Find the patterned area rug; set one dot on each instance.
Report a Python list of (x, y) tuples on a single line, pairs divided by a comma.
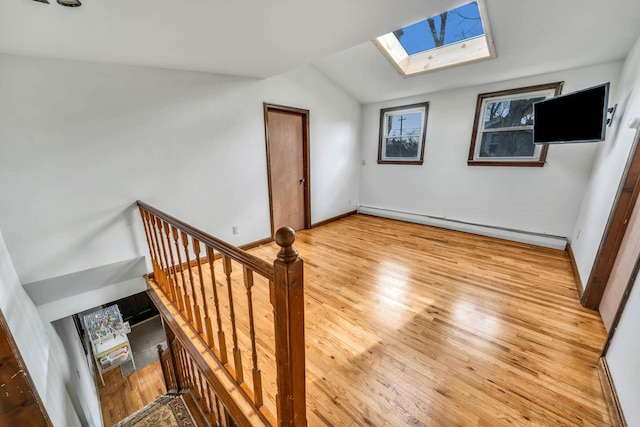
[(165, 411)]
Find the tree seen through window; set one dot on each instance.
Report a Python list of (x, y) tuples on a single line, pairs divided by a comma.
[(503, 127)]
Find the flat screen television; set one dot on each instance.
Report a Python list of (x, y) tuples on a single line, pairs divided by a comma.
[(576, 117)]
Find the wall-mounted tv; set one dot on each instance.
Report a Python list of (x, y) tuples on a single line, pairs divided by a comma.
[(576, 117)]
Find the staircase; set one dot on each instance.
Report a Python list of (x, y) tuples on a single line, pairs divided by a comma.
[(166, 410)]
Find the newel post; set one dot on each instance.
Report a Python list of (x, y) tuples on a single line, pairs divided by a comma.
[(165, 374), (288, 309)]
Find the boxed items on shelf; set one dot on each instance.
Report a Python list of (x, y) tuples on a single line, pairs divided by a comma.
[(102, 324), (109, 342)]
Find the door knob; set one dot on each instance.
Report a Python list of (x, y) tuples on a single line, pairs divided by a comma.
[(302, 180)]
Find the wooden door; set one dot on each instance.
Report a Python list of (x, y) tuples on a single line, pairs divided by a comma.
[(287, 139), (623, 206), (622, 270), (19, 402)]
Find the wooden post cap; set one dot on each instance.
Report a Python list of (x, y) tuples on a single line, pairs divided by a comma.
[(285, 237)]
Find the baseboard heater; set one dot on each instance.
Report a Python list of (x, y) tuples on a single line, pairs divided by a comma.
[(538, 239)]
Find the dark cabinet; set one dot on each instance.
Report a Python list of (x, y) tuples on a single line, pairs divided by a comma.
[(136, 308)]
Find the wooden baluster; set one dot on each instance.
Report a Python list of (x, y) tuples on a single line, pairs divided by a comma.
[(213, 418), (169, 367), (207, 321), (195, 373), (176, 364), (176, 288), (183, 288), (221, 340), (165, 373), (189, 367), (203, 396), (288, 317), (171, 371), (186, 385), (177, 353), (155, 222), (158, 275), (192, 373), (196, 310), (257, 377), (237, 355), (219, 414), (171, 292), (196, 385), (185, 369), (152, 253)]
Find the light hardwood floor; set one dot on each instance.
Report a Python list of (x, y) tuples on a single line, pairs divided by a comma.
[(412, 325), (121, 397), (408, 324)]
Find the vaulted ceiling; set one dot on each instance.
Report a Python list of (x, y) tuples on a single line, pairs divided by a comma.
[(262, 38)]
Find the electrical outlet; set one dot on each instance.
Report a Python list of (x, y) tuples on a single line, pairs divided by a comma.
[(363, 163), (235, 229), (349, 202)]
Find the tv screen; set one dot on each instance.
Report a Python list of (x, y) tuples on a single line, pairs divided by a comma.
[(577, 117)]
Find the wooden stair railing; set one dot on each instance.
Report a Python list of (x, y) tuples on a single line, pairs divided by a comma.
[(194, 300), (184, 371), (169, 371)]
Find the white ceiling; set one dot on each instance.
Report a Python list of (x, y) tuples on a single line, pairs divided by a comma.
[(531, 37), (262, 38)]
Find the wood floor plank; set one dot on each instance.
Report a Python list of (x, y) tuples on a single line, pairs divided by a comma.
[(423, 326), (122, 396), (414, 325)]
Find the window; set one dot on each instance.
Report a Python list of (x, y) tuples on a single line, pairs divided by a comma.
[(503, 127), (451, 38), (402, 134)]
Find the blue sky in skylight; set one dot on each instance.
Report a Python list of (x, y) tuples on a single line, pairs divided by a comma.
[(461, 24)]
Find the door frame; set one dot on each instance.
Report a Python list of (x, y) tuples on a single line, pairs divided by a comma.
[(4, 325), (621, 306), (615, 230), (305, 159)]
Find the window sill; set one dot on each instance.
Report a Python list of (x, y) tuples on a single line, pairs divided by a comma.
[(530, 164), (400, 162)]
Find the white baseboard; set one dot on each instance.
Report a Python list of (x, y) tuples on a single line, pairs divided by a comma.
[(538, 239)]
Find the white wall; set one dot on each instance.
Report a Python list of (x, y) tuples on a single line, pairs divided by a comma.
[(537, 200), (80, 381), (622, 355), (80, 142), (622, 358), (40, 347), (608, 168)]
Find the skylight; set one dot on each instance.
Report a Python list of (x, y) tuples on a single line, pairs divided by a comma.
[(452, 38)]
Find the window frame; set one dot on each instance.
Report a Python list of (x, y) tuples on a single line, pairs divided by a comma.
[(467, 51), (540, 154), (422, 107)]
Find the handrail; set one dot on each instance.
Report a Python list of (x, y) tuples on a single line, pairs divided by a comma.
[(258, 265), (212, 300), (218, 385)]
